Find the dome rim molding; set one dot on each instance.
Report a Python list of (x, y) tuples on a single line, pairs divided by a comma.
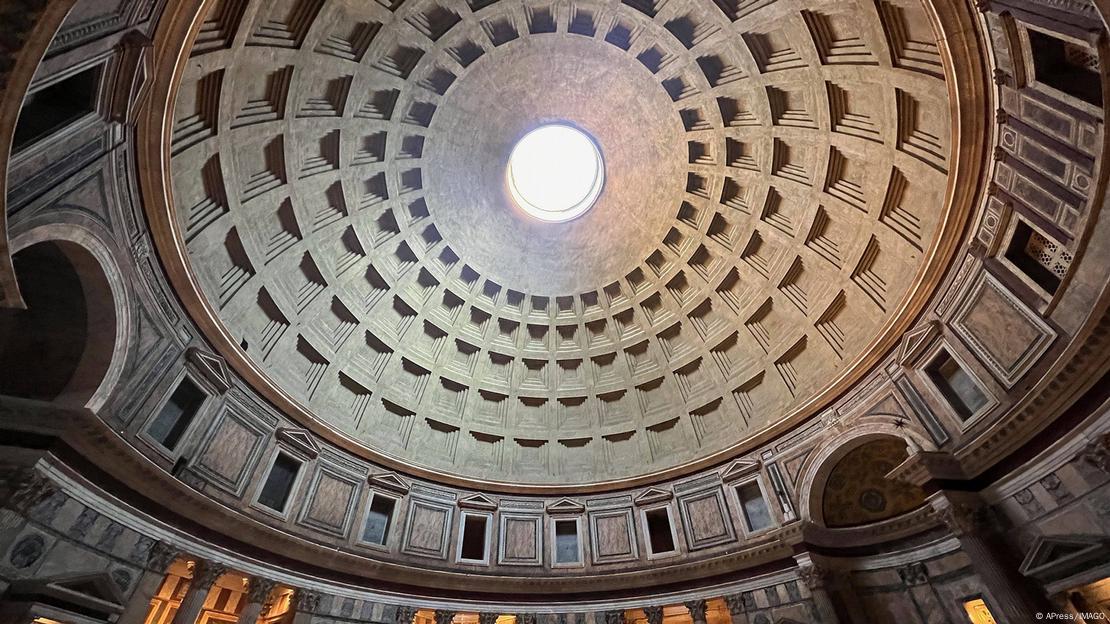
[(962, 47)]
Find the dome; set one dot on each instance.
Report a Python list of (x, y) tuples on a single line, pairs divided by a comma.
[(553, 312), (775, 196)]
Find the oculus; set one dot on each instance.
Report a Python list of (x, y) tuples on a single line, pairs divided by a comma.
[(555, 173)]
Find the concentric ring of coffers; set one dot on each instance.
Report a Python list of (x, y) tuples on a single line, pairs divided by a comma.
[(796, 183)]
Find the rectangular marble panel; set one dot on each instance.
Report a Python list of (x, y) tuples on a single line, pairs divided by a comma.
[(613, 536), (229, 452), (1002, 331), (520, 539), (426, 532), (705, 519), (330, 502)]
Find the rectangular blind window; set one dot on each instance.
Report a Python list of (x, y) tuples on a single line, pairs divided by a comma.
[(474, 538), (52, 108), (275, 492), (659, 531), (378, 519), (176, 415), (756, 513), (566, 541), (958, 388)]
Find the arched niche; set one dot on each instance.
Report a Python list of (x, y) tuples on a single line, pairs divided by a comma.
[(68, 345), (855, 490)]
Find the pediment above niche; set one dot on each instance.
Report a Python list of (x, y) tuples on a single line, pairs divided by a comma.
[(916, 341), (1054, 558), (565, 506), (210, 367), (740, 468), (652, 495), (96, 593), (389, 481), (299, 441), (478, 501)]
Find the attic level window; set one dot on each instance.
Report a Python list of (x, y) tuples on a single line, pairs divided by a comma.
[(555, 173), (378, 519), (566, 541), (52, 108), (754, 507), (1068, 67), (472, 544), (279, 483), (958, 387), (660, 537), (1041, 258), (177, 414)]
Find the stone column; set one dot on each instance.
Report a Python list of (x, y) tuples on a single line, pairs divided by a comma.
[(158, 559), (697, 610), (204, 575), (257, 596), (816, 578), (1011, 597), (654, 615)]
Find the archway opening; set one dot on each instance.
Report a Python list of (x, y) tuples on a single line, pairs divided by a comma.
[(60, 347)]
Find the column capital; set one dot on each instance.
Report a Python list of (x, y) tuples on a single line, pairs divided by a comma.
[(26, 488), (654, 615), (259, 590), (964, 518), (735, 604), (525, 618), (205, 573), (813, 576), (160, 556), (811, 572), (1097, 453), (614, 617), (404, 615), (697, 610), (442, 616), (307, 600), (914, 574), (485, 617)]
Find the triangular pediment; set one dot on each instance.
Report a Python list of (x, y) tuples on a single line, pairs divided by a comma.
[(565, 506), (915, 341), (389, 481), (95, 593), (299, 440), (740, 468), (478, 501), (1056, 557), (211, 367), (653, 495)]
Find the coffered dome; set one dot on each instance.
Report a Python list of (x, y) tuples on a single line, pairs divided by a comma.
[(773, 210)]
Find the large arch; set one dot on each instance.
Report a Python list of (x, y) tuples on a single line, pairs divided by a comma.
[(825, 458), (66, 256)]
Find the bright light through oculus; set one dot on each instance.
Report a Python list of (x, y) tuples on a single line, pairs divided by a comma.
[(555, 173)]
